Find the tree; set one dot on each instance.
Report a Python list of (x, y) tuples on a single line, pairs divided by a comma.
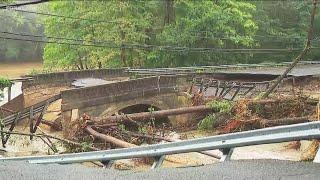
[(205, 24), (184, 23), (19, 24)]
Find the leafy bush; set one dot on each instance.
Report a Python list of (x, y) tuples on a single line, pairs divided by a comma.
[(207, 122), (5, 82), (223, 106)]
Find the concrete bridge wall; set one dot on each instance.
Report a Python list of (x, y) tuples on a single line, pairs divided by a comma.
[(65, 78)]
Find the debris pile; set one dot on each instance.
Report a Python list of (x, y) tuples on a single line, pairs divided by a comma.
[(253, 114)]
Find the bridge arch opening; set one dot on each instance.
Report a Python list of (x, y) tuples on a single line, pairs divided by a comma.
[(158, 122)]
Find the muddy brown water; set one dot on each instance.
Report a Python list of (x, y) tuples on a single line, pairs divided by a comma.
[(17, 69)]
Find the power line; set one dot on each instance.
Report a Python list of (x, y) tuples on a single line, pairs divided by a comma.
[(200, 37), (22, 4), (203, 37), (29, 20), (61, 16), (142, 46), (95, 20)]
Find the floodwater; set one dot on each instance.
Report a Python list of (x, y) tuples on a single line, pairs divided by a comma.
[(17, 69)]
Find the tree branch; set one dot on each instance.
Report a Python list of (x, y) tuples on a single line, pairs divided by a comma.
[(49, 136)]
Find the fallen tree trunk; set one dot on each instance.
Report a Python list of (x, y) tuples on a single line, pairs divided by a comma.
[(270, 101), (285, 121), (155, 114), (123, 143), (109, 139), (56, 126)]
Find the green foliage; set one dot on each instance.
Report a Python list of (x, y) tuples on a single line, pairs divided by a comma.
[(40, 71), (284, 24), (142, 129), (220, 106), (137, 22), (207, 122), (85, 146), (122, 127), (222, 109), (227, 24), (5, 82), (151, 109)]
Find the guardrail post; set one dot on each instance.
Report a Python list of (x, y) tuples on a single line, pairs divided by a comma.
[(226, 154), (38, 121), (235, 93), (13, 124), (9, 93), (158, 161), (31, 116), (107, 164)]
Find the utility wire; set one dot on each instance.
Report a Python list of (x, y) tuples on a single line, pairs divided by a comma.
[(22, 4), (138, 45), (141, 46), (29, 20), (203, 37), (95, 20), (61, 16)]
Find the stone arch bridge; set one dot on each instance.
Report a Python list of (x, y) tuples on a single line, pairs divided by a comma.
[(129, 96)]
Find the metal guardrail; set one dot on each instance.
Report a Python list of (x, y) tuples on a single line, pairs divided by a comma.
[(194, 69), (225, 142), (37, 108)]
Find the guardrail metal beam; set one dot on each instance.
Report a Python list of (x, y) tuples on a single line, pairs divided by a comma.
[(278, 134)]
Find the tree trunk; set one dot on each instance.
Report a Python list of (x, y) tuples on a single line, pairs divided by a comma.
[(285, 121), (169, 12), (54, 125), (143, 116), (109, 139)]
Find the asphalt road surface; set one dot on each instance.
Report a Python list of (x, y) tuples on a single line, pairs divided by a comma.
[(300, 70), (244, 169)]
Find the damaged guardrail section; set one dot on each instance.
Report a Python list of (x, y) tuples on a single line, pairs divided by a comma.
[(278, 134)]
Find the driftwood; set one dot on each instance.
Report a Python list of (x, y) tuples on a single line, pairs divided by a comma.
[(270, 101), (109, 139), (155, 114), (124, 144), (306, 49), (54, 125), (284, 121), (49, 136)]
